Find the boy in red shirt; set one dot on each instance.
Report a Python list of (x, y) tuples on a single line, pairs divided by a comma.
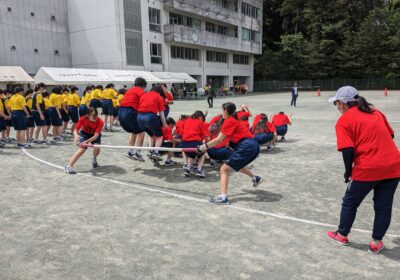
[(168, 140), (169, 99), (281, 122), (372, 162), (87, 131)]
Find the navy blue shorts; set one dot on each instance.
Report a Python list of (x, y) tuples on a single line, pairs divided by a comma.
[(54, 118), (36, 118), (116, 110), (263, 138), (64, 116), (9, 123), (30, 122), (95, 103), (219, 153), (108, 108), (3, 125), (191, 144), (150, 123), (73, 113), (245, 152), (128, 120), (47, 118), (281, 130), (85, 136), (83, 110), (18, 120)]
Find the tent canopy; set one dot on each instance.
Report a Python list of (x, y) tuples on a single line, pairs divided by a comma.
[(169, 77), (81, 76), (14, 74)]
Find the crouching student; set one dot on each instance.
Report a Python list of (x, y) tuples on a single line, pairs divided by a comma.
[(281, 122), (264, 131), (194, 133), (168, 140), (87, 131), (246, 150)]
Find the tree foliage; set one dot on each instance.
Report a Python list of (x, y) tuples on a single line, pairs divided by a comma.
[(310, 39)]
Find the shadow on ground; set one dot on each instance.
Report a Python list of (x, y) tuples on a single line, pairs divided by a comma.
[(256, 196)]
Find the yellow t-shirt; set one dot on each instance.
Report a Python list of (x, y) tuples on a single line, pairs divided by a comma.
[(73, 100), (109, 93), (65, 98), (39, 99), (55, 100), (17, 102), (7, 103), (96, 94), (47, 103), (84, 99), (1, 106), (29, 103)]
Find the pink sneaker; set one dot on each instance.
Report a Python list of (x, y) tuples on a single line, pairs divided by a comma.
[(375, 249), (338, 238)]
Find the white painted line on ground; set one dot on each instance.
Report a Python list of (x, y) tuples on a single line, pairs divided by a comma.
[(189, 198)]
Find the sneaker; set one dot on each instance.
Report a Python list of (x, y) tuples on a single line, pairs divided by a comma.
[(200, 173), (269, 148), (212, 164), (94, 163), (283, 138), (69, 170), (217, 200), (186, 171), (257, 180), (338, 238), (130, 156), (9, 140), (20, 146), (37, 142), (170, 162), (375, 249), (138, 157), (48, 142), (2, 145), (27, 145), (156, 156), (28, 140)]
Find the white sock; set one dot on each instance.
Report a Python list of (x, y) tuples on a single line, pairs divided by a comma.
[(224, 196)]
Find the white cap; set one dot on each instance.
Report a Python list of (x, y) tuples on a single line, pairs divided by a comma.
[(345, 94)]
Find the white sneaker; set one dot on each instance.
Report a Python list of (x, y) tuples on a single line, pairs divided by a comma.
[(69, 170)]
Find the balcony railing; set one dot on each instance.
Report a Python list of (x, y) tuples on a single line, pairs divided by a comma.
[(183, 34), (203, 8)]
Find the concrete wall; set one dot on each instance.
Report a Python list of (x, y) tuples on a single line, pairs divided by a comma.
[(28, 32)]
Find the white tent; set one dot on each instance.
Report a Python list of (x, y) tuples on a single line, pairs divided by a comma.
[(14, 74), (178, 78), (69, 76), (129, 76)]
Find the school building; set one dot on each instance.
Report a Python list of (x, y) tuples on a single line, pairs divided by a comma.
[(211, 40)]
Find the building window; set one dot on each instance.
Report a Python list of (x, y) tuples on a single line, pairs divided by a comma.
[(53, 18), (155, 53), (56, 52), (13, 48), (241, 59), (9, 9), (184, 53), (250, 10), (36, 50), (224, 4), (32, 14), (184, 20), (251, 35), (219, 57), (216, 28), (154, 20)]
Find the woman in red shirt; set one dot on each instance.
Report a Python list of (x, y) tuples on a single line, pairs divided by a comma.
[(169, 100), (264, 131), (151, 104), (372, 162), (87, 131), (195, 131), (281, 122), (245, 146)]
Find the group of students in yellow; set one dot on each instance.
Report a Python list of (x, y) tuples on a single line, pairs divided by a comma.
[(37, 112)]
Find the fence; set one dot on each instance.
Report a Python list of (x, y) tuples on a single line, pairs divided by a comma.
[(330, 85)]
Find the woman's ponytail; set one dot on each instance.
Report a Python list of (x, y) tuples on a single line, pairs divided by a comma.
[(363, 105)]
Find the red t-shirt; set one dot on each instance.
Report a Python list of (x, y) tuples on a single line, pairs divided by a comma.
[(85, 125), (167, 133), (215, 119), (271, 127), (179, 127), (235, 130), (255, 122), (280, 120), (376, 155), (194, 130), (151, 102), (132, 98), (241, 114), (168, 98)]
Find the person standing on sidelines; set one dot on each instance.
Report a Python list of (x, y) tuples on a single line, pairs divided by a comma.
[(372, 163), (127, 115), (19, 113), (295, 94), (246, 150)]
